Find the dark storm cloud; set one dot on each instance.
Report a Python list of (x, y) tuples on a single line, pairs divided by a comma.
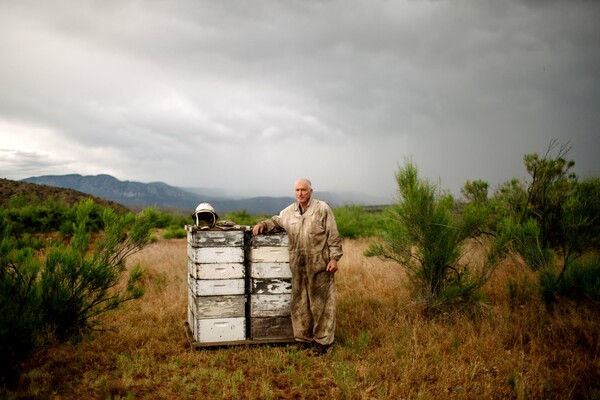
[(339, 91)]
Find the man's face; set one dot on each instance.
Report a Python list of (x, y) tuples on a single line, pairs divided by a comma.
[(303, 192)]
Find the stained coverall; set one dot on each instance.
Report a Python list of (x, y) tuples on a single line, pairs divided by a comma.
[(313, 241)]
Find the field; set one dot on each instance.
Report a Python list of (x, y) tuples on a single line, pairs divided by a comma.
[(384, 349)]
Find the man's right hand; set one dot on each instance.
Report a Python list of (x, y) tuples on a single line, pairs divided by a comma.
[(258, 228)]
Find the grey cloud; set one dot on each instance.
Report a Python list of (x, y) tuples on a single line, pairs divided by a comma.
[(16, 164), (465, 87)]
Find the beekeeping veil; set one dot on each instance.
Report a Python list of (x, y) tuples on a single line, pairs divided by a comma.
[(205, 216)]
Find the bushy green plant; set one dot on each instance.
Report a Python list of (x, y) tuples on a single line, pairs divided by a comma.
[(551, 183), (476, 191), (510, 200), (355, 222), (20, 317), (63, 290), (425, 236), (525, 240), (579, 231), (78, 281), (579, 223), (582, 280), (165, 219), (242, 217), (175, 232), (559, 221), (30, 215)]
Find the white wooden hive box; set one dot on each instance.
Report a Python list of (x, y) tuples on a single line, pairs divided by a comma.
[(217, 287), (270, 305), (220, 329), (217, 306)]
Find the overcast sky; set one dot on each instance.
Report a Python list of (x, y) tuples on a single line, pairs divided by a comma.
[(250, 95)]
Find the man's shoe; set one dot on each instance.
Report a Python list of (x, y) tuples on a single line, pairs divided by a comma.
[(319, 349), (300, 346)]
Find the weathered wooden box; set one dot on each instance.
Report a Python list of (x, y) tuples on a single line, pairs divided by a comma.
[(265, 328), (218, 330), (217, 306), (259, 270), (270, 305), (217, 286), (216, 271), (216, 255), (239, 287), (214, 238), (270, 287)]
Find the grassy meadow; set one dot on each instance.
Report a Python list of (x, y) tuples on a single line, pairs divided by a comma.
[(384, 349)]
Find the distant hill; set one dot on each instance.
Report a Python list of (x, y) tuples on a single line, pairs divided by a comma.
[(128, 193), (161, 195), (10, 189), (157, 194)]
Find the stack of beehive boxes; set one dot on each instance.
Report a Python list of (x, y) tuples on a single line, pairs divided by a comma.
[(270, 287), (216, 274), (239, 287)]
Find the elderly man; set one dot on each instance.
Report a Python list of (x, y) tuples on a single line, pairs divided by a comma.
[(315, 248)]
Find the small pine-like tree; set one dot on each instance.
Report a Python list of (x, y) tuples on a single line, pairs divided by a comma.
[(79, 280), (476, 191), (20, 318), (551, 184), (559, 220), (426, 236), (70, 285)]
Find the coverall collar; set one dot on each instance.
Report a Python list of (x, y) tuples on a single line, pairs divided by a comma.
[(301, 210)]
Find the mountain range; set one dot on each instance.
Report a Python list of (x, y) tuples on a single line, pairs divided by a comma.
[(162, 195)]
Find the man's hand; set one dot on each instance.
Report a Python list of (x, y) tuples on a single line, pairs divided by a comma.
[(258, 228), (332, 266)]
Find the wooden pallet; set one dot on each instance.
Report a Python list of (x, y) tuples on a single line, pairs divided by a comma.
[(195, 345)]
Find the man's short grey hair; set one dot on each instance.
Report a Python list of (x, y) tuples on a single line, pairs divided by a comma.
[(306, 180)]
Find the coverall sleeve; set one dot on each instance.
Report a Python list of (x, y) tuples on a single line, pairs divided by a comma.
[(334, 242), (271, 224)]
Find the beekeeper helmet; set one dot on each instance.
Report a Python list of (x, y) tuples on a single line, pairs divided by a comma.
[(205, 216)]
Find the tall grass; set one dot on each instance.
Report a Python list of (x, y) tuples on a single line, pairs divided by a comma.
[(384, 349)]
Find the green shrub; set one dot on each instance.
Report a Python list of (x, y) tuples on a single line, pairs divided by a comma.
[(425, 236), (355, 222), (476, 192), (551, 183), (525, 241), (66, 288), (242, 217), (20, 317), (29, 215), (559, 221), (175, 232), (78, 282), (580, 281), (583, 279), (509, 200)]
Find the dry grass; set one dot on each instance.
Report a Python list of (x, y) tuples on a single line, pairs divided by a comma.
[(384, 350)]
